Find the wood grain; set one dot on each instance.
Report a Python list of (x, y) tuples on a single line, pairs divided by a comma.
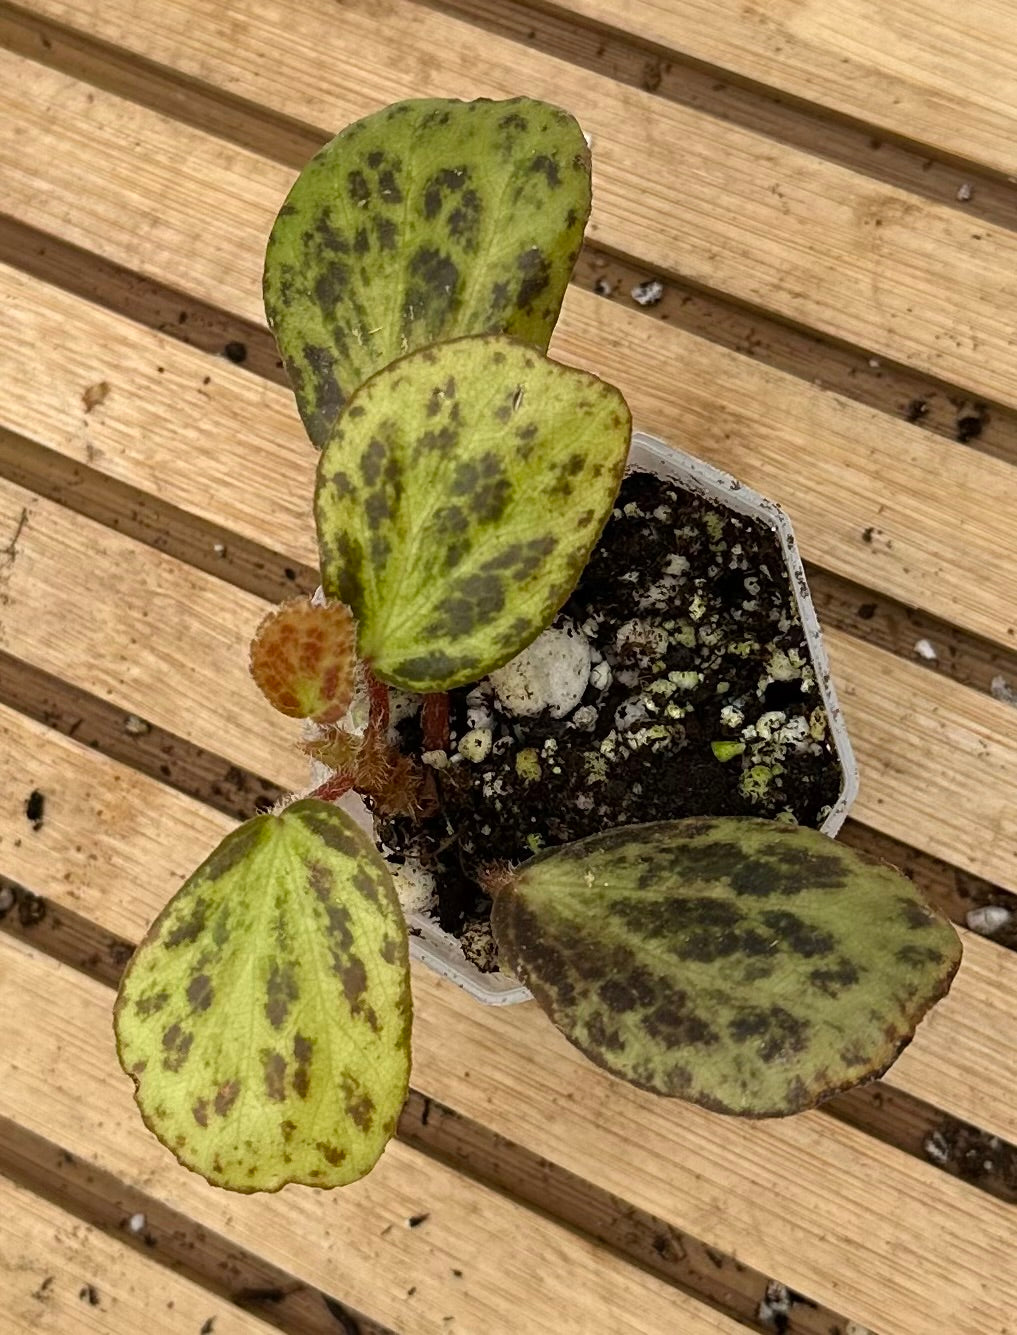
[(60, 1274), (169, 642), (124, 622), (116, 845), (880, 1236), (476, 1257), (925, 70), (211, 1260), (765, 223), (849, 1221), (751, 1189)]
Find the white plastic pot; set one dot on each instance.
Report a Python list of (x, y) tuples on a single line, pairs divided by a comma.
[(440, 950)]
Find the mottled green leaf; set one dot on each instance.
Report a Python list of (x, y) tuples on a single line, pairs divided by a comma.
[(426, 221), (265, 1018), (458, 499), (748, 966)]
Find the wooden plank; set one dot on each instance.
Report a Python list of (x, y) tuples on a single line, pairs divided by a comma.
[(960, 1048), (924, 70), (766, 223), (872, 498), (170, 643), (840, 468), (880, 1236), (194, 430), (167, 641), (937, 758), (809, 1199), (477, 1261), (116, 845), (59, 1274)]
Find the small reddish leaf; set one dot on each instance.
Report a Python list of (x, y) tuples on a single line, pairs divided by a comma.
[(303, 657)]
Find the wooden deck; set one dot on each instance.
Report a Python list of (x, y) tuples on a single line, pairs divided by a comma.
[(828, 191)]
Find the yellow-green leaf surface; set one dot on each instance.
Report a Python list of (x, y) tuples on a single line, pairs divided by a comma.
[(265, 1018), (747, 966), (458, 499), (426, 221)]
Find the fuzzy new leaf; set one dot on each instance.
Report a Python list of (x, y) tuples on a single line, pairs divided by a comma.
[(265, 1018), (303, 658), (458, 500), (747, 966), (423, 222)]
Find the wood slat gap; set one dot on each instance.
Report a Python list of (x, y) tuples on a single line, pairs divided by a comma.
[(153, 521), (169, 1239), (912, 633), (145, 747), (168, 310), (133, 76), (713, 1277), (556, 30), (841, 366), (920, 1129)]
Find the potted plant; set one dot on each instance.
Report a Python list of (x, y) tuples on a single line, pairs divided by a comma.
[(471, 504)]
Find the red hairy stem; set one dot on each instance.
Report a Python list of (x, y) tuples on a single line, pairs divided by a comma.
[(338, 785), (378, 692), (434, 721)]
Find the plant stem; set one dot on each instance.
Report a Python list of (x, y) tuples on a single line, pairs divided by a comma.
[(378, 692), (338, 785), (434, 721)]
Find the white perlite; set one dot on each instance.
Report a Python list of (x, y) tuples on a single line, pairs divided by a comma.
[(475, 745), (1001, 690), (776, 1303), (987, 919), (551, 674), (479, 713), (648, 293), (600, 676), (413, 885)]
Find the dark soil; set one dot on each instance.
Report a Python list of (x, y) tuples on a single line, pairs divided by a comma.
[(691, 609)]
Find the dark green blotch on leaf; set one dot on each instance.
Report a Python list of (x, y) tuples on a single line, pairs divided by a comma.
[(237, 1040), (424, 222), (453, 547), (745, 966)]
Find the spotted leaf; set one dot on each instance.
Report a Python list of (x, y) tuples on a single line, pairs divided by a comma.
[(458, 499), (426, 221), (265, 1018), (747, 966), (303, 657)]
